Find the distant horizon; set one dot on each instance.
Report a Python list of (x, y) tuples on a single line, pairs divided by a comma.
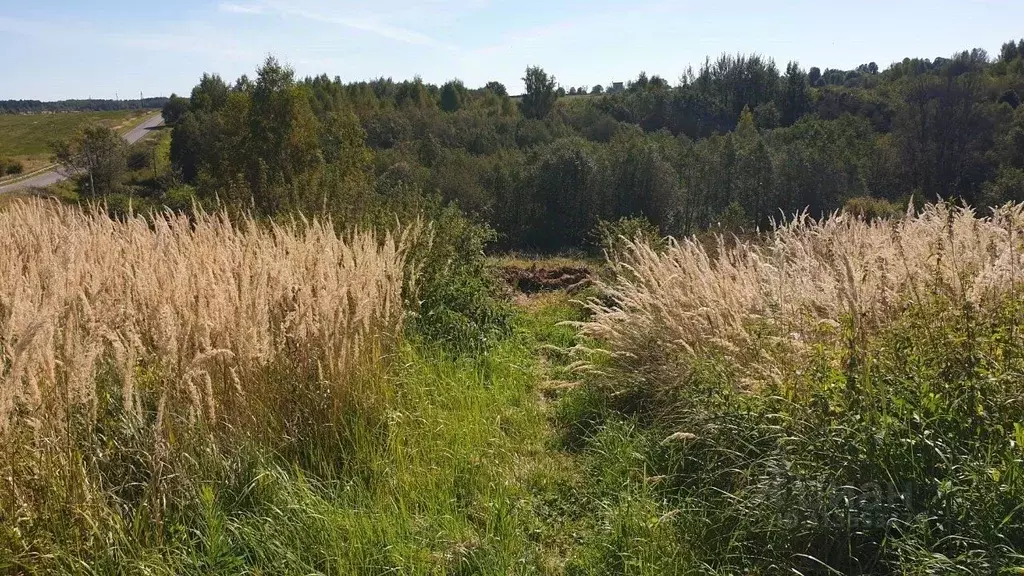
[(61, 50)]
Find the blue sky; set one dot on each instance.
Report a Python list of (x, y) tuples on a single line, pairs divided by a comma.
[(54, 49)]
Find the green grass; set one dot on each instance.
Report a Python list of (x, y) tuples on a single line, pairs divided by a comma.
[(26, 137), (568, 260)]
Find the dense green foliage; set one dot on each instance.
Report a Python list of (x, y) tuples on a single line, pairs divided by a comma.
[(737, 142), (174, 109), (456, 305)]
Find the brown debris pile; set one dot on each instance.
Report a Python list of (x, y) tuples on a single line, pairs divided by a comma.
[(541, 279)]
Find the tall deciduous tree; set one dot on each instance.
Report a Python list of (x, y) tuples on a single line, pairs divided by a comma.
[(540, 93), (283, 140), (565, 188)]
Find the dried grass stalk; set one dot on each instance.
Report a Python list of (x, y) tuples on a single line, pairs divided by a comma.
[(756, 304), (189, 310)]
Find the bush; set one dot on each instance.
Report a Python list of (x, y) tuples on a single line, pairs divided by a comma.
[(456, 300), (139, 159), (180, 198), (10, 167), (613, 237), (531, 133), (904, 463), (870, 208), (1007, 187)]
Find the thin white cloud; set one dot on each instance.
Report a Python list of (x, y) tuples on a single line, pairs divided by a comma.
[(369, 24), (233, 8), (586, 24), (189, 42)]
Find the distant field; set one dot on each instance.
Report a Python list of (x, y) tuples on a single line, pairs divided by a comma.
[(25, 137)]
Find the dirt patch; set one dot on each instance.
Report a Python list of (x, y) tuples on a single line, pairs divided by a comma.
[(541, 279)]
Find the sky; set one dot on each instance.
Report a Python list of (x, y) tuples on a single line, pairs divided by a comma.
[(57, 49)]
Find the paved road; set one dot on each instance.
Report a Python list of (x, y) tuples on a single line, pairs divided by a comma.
[(52, 177)]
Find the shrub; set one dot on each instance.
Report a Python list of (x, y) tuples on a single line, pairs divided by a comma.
[(139, 159), (457, 304), (10, 167), (180, 198), (870, 208), (906, 463), (613, 237)]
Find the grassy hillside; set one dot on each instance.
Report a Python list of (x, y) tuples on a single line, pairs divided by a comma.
[(25, 137)]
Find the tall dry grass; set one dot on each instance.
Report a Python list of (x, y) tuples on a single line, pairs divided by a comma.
[(199, 321), (759, 305)]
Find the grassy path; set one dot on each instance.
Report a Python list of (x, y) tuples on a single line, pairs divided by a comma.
[(592, 488), (475, 470)]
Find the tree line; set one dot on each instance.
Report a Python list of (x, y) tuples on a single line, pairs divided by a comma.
[(87, 105), (733, 144)]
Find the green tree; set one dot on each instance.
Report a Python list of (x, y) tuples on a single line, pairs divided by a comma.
[(597, 89), (636, 179), (1007, 187), (209, 95), (814, 76), (282, 142), (453, 96), (174, 109), (766, 116), (1009, 52), (565, 188), (753, 178), (413, 93), (97, 155), (795, 102), (540, 93), (497, 88), (187, 141)]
